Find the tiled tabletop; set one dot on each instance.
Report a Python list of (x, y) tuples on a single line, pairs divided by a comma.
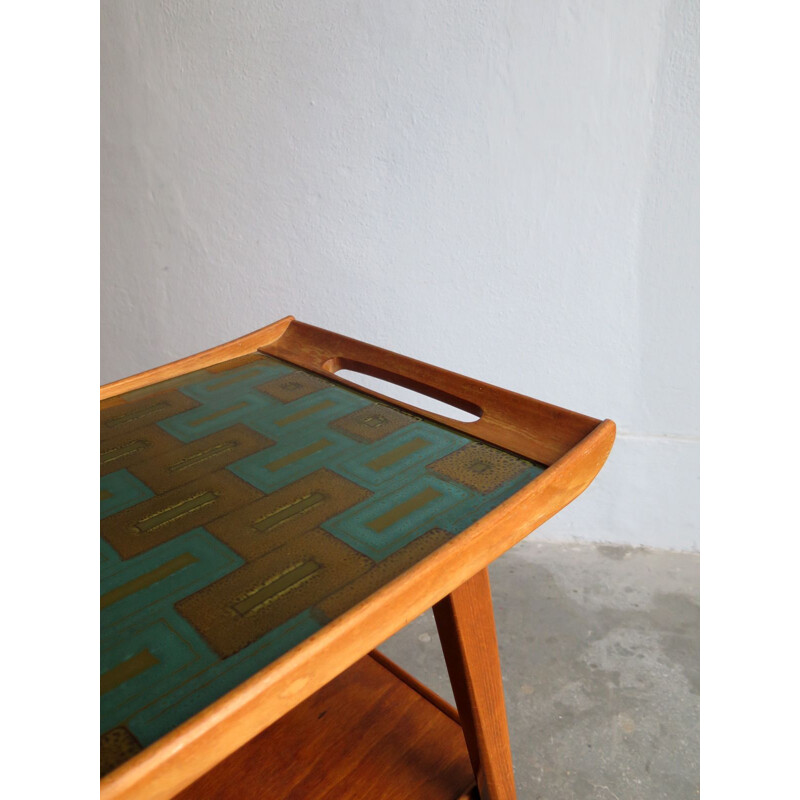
[(245, 506)]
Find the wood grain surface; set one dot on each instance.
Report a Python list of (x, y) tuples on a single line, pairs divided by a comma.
[(367, 735), (465, 621)]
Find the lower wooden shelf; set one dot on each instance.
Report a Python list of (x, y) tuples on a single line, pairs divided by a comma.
[(373, 733)]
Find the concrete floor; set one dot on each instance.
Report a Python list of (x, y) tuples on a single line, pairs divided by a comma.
[(600, 653)]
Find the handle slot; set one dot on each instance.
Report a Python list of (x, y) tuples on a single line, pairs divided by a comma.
[(404, 390)]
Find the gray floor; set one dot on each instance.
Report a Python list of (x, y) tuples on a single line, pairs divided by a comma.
[(600, 654)]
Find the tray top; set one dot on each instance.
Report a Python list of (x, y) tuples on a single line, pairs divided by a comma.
[(245, 506)]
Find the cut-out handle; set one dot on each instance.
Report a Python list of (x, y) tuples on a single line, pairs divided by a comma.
[(406, 391)]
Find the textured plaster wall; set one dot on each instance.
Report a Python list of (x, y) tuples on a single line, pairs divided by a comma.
[(508, 189)]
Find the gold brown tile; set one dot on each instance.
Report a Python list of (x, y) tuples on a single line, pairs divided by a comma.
[(380, 574), (121, 419), (479, 467), (292, 387), (264, 593), (165, 516), (287, 513), (116, 747), (187, 462), (371, 423), (121, 451)]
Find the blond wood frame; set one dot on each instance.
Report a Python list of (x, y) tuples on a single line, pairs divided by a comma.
[(574, 447), (465, 621)]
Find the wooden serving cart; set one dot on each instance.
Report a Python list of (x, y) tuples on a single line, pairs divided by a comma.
[(266, 524)]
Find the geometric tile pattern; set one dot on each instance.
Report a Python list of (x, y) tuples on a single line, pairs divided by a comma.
[(288, 388), (372, 423), (245, 506), (478, 466), (270, 590)]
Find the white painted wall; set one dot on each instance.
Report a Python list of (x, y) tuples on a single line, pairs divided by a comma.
[(506, 189)]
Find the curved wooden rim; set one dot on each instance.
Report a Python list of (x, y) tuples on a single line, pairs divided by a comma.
[(249, 343)]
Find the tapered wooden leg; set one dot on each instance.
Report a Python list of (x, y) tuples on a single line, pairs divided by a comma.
[(465, 620)]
